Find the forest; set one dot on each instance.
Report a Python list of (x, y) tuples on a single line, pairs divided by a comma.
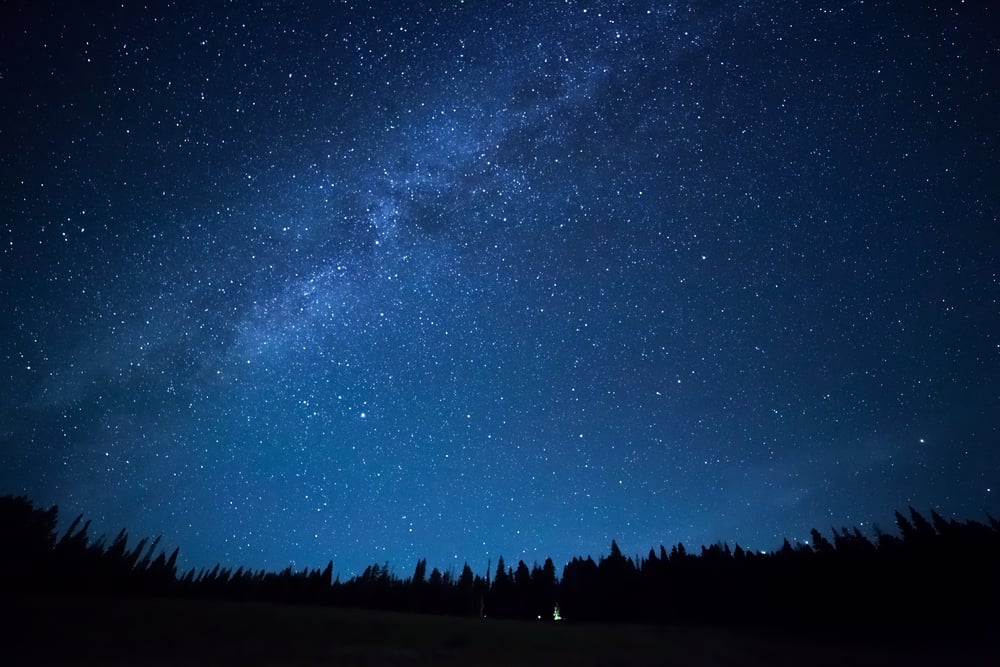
[(936, 575)]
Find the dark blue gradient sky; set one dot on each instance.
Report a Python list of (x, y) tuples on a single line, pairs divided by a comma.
[(302, 281)]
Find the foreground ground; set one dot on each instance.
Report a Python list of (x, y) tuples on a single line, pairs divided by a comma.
[(87, 631)]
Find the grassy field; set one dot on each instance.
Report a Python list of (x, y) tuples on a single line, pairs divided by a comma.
[(86, 631)]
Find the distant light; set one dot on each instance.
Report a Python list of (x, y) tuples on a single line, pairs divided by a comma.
[(364, 415)]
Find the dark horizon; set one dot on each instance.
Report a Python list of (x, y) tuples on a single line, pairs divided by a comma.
[(892, 528), (933, 583)]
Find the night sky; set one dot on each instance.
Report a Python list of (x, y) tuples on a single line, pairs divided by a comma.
[(289, 282)]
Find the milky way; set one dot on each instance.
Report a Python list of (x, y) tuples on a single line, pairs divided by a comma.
[(311, 281)]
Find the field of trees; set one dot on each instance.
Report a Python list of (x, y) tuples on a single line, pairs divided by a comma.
[(928, 595)]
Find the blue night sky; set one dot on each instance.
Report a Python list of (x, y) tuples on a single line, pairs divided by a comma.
[(297, 281)]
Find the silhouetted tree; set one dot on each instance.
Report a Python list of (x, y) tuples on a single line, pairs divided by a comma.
[(419, 572), (906, 528), (501, 596), (544, 589), (522, 606), (577, 599), (924, 531), (466, 603), (820, 544)]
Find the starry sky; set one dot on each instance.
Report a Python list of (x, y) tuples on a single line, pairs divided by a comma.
[(288, 282)]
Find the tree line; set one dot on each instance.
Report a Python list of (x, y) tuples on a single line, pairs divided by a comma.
[(935, 574)]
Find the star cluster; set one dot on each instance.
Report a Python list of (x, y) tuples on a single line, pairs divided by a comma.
[(298, 281)]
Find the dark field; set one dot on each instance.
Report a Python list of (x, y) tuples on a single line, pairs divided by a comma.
[(86, 631)]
